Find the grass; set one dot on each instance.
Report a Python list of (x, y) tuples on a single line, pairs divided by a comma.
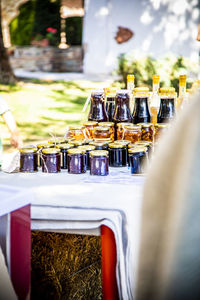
[(42, 108)]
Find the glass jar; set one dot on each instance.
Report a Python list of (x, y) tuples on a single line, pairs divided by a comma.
[(87, 149), (99, 163), (132, 133), (90, 125), (77, 143), (40, 147), (28, 160), (117, 155), (112, 128), (137, 159), (167, 109), (101, 132), (110, 103), (141, 112), (147, 132), (159, 129), (51, 160), (126, 143), (97, 107), (76, 161), (120, 130), (63, 149), (122, 111), (76, 132)]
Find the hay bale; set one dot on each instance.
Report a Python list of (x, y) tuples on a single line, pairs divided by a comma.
[(65, 266)]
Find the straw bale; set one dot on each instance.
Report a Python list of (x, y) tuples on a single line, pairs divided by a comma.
[(65, 266)]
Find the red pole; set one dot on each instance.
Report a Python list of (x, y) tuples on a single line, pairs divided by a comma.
[(109, 258)]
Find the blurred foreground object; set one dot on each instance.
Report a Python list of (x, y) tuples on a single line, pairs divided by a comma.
[(169, 263)]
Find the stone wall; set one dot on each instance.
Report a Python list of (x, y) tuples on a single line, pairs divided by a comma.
[(47, 59)]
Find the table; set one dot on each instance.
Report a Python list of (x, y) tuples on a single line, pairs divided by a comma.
[(112, 203), (15, 236)]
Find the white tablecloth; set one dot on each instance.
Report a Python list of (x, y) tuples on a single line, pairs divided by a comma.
[(83, 202)]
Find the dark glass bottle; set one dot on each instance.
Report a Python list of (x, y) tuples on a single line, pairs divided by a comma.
[(51, 160), (28, 160), (141, 112), (97, 107), (122, 111), (167, 109), (117, 155), (110, 103), (137, 158), (76, 161), (99, 163)]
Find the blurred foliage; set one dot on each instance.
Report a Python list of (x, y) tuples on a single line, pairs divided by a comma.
[(74, 27), (21, 28), (169, 68)]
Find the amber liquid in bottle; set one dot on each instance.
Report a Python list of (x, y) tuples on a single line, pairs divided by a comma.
[(141, 111), (167, 110), (97, 109)]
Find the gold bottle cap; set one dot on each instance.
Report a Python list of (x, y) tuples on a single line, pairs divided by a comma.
[(50, 151), (126, 142), (64, 146), (156, 79), (106, 124), (137, 150), (43, 145), (76, 127), (133, 127), (124, 124), (75, 151), (87, 147), (90, 123), (145, 124), (57, 141), (99, 153), (130, 78), (28, 150), (117, 145), (101, 128), (77, 142)]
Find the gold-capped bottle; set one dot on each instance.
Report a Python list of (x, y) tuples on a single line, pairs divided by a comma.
[(182, 97), (130, 83), (155, 99)]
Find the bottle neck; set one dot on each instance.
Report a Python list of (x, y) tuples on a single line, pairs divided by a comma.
[(155, 88), (182, 90), (130, 85)]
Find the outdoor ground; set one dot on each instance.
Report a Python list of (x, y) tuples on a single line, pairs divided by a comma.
[(43, 108)]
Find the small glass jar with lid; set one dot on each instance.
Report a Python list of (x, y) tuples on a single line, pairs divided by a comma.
[(76, 161), (167, 109), (76, 132), (120, 130), (97, 107), (147, 131), (117, 155), (110, 102), (159, 129), (40, 147), (141, 112), (132, 133), (63, 149), (137, 159), (28, 159), (89, 127), (77, 143), (51, 160), (87, 149), (112, 128), (99, 162), (101, 132), (124, 142)]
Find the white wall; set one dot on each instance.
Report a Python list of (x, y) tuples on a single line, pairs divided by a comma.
[(159, 26)]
